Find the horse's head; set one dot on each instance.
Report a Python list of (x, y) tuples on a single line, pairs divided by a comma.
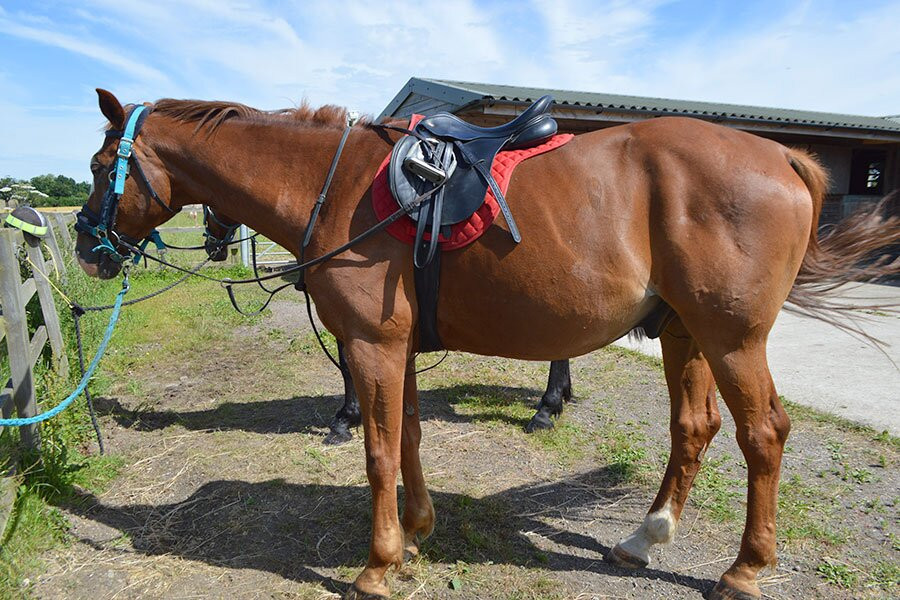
[(131, 195), (220, 230)]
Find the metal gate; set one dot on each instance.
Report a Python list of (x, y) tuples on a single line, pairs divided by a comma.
[(269, 255)]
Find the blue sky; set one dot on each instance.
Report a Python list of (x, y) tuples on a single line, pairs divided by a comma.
[(818, 55)]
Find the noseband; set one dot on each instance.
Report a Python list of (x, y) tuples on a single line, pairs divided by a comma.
[(102, 226), (214, 242)]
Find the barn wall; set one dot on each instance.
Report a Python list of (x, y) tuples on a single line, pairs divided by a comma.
[(837, 160), (892, 171)]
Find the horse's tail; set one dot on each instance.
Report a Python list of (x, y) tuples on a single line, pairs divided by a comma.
[(855, 250)]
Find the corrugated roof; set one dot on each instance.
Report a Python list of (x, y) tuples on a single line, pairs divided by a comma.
[(666, 105)]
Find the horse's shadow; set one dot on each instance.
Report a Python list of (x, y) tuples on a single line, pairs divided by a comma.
[(296, 530), (310, 414)]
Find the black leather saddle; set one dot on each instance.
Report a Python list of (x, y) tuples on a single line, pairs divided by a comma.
[(448, 153)]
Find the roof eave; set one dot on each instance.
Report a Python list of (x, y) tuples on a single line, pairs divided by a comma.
[(618, 113)]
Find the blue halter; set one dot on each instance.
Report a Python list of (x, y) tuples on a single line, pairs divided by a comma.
[(101, 226)]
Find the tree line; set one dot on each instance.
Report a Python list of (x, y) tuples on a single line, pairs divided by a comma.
[(52, 190)]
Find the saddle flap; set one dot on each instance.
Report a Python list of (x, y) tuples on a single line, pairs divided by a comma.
[(405, 184)]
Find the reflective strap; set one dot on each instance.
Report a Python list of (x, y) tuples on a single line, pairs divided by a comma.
[(125, 149), (38, 230), (154, 237)]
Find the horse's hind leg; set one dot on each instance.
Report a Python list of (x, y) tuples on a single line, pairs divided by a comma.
[(694, 421), (348, 415), (418, 512), (559, 389), (762, 426)]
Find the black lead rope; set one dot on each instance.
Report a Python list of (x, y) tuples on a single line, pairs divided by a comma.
[(315, 329), (79, 311), (228, 283), (76, 317), (203, 247), (271, 293)]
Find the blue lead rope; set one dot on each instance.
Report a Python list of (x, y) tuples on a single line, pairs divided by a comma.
[(113, 318)]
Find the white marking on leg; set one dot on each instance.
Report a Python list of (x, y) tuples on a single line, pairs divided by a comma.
[(658, 528)]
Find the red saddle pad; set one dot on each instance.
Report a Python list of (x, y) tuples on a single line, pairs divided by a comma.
[(465, 232)]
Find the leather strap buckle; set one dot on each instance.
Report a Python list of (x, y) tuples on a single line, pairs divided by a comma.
[(125, 148)]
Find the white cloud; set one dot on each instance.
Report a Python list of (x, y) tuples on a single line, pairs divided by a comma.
[(94, 50), (355, 54), (807, 59)]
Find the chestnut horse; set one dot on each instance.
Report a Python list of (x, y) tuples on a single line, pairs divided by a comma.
[(718, 223)]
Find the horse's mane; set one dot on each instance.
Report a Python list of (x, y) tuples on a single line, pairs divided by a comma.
[(211, 114)]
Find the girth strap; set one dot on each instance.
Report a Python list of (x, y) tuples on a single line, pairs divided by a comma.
[(427, 280)]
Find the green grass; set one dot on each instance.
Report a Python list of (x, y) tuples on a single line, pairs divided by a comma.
[(183, 320), (715, 491), (34, 527), (885, 575), (803, 413), (809, 513), (837, 574), (491, 406), (566, 442), (500, 407)]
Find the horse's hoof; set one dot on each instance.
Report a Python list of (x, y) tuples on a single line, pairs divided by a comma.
[(411, 545), (539, 421), (354, 593), (625, 560), (338, 436), (723, 591)]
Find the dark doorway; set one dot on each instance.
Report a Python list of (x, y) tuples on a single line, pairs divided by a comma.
[(867, 172)]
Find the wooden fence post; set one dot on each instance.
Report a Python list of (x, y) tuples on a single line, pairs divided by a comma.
[(62, 230), (48, 307), (55, 253), (17, 339)]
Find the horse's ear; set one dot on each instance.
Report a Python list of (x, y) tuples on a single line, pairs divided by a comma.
[(111, 108)]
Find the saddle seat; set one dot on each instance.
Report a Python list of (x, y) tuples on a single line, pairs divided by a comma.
[(447, 152), (531, 128)]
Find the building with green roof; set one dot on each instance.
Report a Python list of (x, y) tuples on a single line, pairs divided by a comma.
[(861, 153)]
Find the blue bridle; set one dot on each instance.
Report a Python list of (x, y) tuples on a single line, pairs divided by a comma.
[(102, 225)]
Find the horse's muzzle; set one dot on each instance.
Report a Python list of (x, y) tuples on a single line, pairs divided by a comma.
[(217, 252), (95, 264)]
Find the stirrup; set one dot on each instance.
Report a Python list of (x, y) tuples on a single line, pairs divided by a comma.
[(426, 171)]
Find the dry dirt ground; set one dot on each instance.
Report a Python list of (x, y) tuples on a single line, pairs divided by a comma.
[(226, 490)]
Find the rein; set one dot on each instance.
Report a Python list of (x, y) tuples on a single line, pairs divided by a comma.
[(215, 242)]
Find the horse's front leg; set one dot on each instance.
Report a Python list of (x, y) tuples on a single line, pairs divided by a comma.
[(418, 511), (378, 371), (347, 415), (559, 390)]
